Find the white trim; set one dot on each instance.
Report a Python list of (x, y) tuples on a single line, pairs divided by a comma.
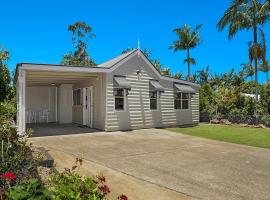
[(125, 100), (189, 102), (106, 96), (158, 97), (42, 67), (84, 102), (90, 106), (81, 96), (21, 110), (56, 68), (56, 103)]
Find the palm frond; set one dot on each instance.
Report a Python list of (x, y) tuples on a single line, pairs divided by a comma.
[(190, 60)]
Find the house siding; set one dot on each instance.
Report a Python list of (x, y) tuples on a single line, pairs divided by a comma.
[(137, 113), (99, 94)]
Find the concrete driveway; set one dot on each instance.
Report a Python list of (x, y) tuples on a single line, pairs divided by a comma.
[(197, 167)]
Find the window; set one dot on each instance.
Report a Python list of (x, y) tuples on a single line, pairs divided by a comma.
[(177, 100), (185, 98), (77, 97), (153, 100), (181, 100), (119, 99)]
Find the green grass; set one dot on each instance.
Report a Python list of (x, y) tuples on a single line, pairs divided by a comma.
[(256, 137)]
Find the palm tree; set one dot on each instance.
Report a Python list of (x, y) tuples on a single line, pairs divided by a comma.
[(245, 15), (265, 67), (178, 75), (204, 74), (157, 65), (166, 71), (187, 39)]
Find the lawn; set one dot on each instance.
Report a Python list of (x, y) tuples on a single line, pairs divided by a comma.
[(256, 137)]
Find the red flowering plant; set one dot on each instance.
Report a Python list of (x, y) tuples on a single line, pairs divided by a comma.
[(6, 180), (15, 155), (9, 176)]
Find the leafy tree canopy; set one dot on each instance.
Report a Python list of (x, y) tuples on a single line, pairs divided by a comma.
[(81, 33), (6, 89)]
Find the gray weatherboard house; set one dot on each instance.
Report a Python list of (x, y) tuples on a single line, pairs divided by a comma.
[(126, 92)]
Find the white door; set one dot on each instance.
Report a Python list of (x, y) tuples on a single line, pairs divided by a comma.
[(87, 106)]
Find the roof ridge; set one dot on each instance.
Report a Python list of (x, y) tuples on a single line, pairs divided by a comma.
[(111, 62)]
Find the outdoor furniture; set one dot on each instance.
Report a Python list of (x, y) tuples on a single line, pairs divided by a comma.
[(31, 116), (44, 116)]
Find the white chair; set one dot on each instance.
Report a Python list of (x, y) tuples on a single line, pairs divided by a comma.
[(33, 117), (44, 116), (28, 116)]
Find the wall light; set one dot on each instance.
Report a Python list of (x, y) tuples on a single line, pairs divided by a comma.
[(139, 73)]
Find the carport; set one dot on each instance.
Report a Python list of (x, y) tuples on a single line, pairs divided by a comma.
[(54, 129), (45, 96)]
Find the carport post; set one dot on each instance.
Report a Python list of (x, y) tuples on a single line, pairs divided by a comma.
[(21, 89)]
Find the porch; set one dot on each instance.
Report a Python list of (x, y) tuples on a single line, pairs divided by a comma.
[(53, 99), (53, 129)]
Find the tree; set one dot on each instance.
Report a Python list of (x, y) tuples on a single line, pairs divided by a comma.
[(187, 40), (5, 78), (81, 33), (245, 15), (265, 67), (178, 75), (146, 52), (157, 65), (128, 50), (204, 75), (248, 70), (166, 71)]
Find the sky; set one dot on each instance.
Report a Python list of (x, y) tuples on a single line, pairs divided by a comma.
[(36, 31)]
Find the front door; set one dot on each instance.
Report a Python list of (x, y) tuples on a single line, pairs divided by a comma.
[(87, 106)]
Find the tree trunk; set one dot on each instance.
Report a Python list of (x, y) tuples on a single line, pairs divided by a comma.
[(256, 61), (188, 61), (267, 77)]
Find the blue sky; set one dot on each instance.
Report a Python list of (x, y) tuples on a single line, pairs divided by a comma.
[(36, 31)]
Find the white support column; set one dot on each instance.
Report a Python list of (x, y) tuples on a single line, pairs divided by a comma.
[(56, 104), (23, 101), (18, 104), (22, 92)]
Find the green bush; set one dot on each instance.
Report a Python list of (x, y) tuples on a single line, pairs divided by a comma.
[(266, 120), (32, 189), (15, 155), (70, 185), (8, 109)]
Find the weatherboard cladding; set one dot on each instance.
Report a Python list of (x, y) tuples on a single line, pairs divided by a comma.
[(137, 113)]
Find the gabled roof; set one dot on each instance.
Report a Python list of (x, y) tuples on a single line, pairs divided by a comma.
[(115, 60), (105, 67)]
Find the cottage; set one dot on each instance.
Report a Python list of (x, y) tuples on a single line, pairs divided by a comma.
[(126, 92)]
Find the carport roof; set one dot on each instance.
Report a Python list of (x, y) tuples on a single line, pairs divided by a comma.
[(105, 67)]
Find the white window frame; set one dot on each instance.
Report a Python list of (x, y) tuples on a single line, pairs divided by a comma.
[(80, 105), (181, 100), (157, 101), (124, 97)]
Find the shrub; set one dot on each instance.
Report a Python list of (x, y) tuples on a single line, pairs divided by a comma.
[(15, 154), (32, 189), (70, 185), (8, 109), (266, 120)]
